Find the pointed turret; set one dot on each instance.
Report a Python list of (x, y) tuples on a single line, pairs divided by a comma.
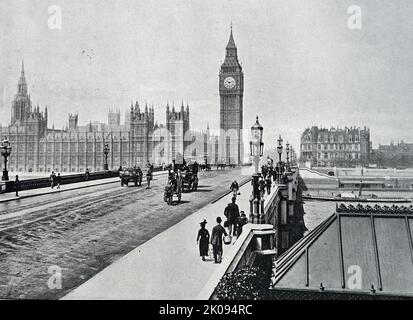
[(231, 42), (22, 70), (22, 85)]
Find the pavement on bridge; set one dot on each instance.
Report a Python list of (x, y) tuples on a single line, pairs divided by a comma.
[(166, 267), (10, 196)]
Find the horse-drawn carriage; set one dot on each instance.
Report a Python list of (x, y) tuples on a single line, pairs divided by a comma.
[(131, 175), (205, 167), (173, 188), (190, 176)]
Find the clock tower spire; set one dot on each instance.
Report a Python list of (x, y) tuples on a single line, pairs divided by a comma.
[(231, 91)]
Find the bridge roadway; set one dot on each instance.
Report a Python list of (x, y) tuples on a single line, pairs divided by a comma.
[(82, 231), (167, 267)]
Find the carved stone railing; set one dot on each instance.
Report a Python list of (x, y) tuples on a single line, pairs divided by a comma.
[(255, 241)]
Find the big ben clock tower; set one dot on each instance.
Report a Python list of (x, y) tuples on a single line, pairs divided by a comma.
[(231, 91)]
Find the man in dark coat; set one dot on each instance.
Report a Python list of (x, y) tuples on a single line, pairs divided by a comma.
[(58, 180), (218, 232), (17, 185), (232, 213), (52, 179), (268, 183)]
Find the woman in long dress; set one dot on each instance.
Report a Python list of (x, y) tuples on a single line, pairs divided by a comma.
[(203, 240)]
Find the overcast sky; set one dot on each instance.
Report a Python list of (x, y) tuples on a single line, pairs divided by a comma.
[(303, 66)]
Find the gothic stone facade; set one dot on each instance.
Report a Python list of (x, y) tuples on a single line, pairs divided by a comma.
[(346, 147), (231, 91), (37, 148)]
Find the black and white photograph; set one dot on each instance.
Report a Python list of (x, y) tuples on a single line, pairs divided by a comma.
[(213, 151)]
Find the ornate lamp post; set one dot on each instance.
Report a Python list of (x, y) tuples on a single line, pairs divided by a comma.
[(287, 150), (106, 152), (256, 152), (279, 151), (5, 149)]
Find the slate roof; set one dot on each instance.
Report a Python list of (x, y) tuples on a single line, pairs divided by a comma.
[(374, 241)]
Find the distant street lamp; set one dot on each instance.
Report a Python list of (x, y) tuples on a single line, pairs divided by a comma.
[(106, 152), (287, 150), (256, 152), (279, 151), (5, 149), (293, 156)]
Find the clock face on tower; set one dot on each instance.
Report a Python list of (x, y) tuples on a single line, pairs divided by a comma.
[(229, 82)]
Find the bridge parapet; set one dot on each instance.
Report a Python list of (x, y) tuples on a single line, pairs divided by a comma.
[(261, 244), (29, 184)]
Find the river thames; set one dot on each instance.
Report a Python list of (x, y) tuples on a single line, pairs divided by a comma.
[(318, 211)]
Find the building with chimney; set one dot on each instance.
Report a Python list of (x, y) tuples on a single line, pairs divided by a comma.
[(348, 147)]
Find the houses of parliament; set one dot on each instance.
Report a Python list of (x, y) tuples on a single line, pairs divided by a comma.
[(38, 148)]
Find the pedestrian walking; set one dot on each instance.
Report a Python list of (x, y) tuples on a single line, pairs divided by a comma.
[(241, 221), (232, 213), (234, 188), (87, 174), (218, 232), (268, 183), (203, 240), (58, 180), (52, 179), (261, 185), (17, 185), (148, 178)]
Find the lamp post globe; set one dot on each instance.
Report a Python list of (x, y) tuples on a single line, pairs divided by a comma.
[(256, 152), (280, 149), (106, 150), (287, 150), (5, 150), (256, 144)]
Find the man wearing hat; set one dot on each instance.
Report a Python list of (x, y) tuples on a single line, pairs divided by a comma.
[(218, 233)]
